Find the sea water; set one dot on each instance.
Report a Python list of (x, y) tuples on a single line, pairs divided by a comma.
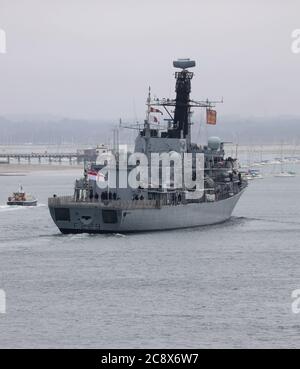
[(227, 285)]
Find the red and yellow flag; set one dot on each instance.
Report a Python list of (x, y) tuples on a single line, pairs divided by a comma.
[(211, 116)]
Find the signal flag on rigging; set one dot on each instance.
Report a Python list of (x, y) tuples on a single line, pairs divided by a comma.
[(154, 110), (211, 116)]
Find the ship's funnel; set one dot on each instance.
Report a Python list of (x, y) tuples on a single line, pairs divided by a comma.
[(184, 63)]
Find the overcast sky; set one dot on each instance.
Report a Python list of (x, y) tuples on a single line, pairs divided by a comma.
[(95, 59)]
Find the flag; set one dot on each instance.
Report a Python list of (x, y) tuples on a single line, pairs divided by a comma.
[(211, 116), (100, 177), (153, 110), (93, 175), (154, 119)]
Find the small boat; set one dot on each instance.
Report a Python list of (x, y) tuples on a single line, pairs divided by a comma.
[(284, 173), (20, 198), (253, 174)]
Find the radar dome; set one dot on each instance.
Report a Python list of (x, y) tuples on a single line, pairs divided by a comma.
[(214, 143), (184, 63)]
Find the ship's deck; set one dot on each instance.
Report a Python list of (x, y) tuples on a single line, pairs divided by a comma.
[(111, 204)]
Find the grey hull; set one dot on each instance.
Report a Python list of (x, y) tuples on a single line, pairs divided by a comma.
[(90, 219)]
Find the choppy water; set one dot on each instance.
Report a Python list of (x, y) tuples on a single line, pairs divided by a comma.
[(227, 285)]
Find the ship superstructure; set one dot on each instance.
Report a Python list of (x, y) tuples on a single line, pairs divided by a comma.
[(101, 205)]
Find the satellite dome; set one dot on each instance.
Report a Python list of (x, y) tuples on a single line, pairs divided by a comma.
[(214, 143)]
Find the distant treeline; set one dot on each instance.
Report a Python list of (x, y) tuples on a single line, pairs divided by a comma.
[(275, 130), (54, 131), (59, 131)]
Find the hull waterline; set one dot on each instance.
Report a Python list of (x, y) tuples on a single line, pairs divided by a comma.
[(90, 219), (22, 203)]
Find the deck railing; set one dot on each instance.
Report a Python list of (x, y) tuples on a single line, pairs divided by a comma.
[(115, 204)]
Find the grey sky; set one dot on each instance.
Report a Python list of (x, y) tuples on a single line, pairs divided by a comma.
[(95, 59)]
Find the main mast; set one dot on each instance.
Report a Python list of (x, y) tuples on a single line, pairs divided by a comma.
[(181, 127)]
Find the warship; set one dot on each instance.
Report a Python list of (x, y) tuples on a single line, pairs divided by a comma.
[(102, 206)]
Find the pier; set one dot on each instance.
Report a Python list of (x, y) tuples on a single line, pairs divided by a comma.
[(78, 157)]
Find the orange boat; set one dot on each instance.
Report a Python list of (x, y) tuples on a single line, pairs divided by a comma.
[(20, 198)]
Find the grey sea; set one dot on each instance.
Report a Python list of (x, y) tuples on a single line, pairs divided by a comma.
[(227, 285)]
